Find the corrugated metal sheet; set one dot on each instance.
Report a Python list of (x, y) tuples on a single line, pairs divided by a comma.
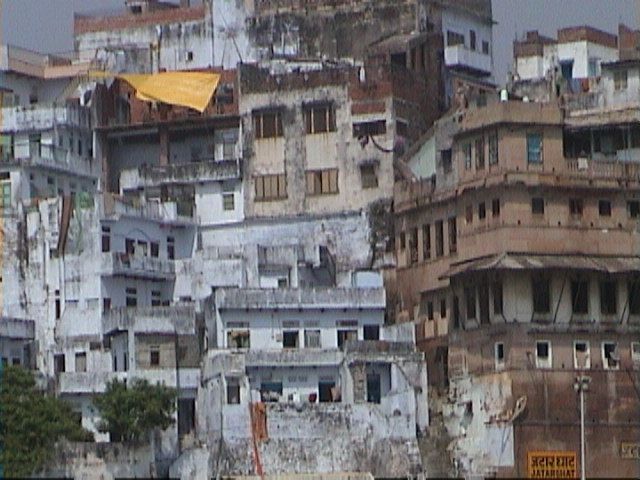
[(522, 261)]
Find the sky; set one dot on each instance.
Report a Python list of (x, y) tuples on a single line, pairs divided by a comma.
[(47, 25)]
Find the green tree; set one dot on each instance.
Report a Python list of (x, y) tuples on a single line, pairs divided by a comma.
[(31, 422), (130, 412)]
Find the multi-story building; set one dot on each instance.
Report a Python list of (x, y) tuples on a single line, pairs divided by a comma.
[(577, 53), (517, 264), (45, 129)]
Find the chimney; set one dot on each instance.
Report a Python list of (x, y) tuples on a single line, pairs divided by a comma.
[(185, 3)]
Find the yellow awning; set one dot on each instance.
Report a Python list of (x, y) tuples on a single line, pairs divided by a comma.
[(187, 89)]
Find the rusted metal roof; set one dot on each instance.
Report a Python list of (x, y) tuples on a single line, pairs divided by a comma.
[(523, 261)]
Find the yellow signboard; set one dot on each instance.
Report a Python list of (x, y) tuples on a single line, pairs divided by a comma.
[(629, 450), (552, 464)]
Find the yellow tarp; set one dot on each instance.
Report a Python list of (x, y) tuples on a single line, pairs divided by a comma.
[(187, 89)]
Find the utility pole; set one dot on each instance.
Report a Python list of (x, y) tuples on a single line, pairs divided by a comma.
[(581, 385)]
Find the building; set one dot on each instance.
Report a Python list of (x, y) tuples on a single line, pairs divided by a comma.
[(517, 268), (577, 53)]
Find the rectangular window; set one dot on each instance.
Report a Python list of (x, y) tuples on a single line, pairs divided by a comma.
[(485, 47), (346, 336), (312, 339), (131, 297), (534, 148), (365, 129), (466, 149), (322, 182), (453, 235), (327, 392), (413, 245), (495, 207), (81, 362), (576, 206), (470, 302), (479, 153), (472, 39), (543, 354), (58, 363), (368, 176), (493, 148), (468, 214), (238, 339), (633, 290), (270, 391), (610, 356), (155, 249), (270, 187), (290, 339), (426, 242), (154, 355), (541, 297), (233, 391), (620, 80), (497, 297), (498, 352), (430, 310), (608, 297), (228, 202), (106, 305), (156, 298), (267, 124), (319, 118), (371, 332), (580, 297), (443, 308), (171, 248), (439, 238), (633, 208), (537, 206), (129, 246), (374, 391), (445, 157), (581, 355), (454, 38), (604, 208), (482, 211), (106, 239)]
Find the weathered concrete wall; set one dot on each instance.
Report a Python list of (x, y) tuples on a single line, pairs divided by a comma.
[(100, 460)]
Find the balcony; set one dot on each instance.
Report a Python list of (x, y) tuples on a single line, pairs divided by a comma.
[(137, 266), (605, 169), (51, 158), (298, 298), (174, 319), (196, 172), (44, 117), (294, 358), (16, 328), (167, 212), (96, 382), (462, 58)]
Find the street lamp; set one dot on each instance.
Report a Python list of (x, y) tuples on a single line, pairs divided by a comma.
[(581, 385)]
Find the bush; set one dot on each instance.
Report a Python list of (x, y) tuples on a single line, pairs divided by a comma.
[(129, 413)]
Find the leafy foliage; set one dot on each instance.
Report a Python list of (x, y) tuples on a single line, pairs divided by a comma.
[(31, 422), (130, 413)]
